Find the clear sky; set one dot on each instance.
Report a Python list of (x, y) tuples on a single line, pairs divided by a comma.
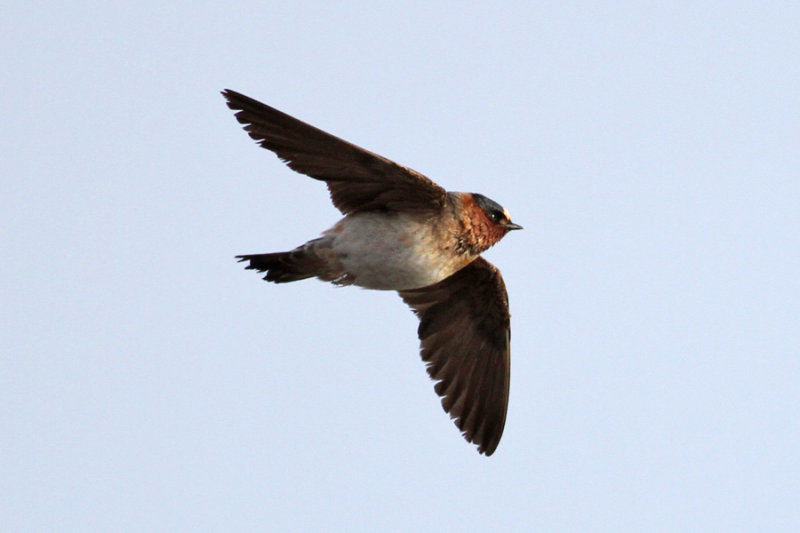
[(149, 383)]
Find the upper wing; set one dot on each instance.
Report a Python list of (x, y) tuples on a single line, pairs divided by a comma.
[(465, 334), (357, 178)]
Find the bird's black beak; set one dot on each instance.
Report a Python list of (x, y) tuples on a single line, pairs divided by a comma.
[(510, 225)]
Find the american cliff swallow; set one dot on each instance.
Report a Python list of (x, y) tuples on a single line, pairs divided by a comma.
[(403, 232)]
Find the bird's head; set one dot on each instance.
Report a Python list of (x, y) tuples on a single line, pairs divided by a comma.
[(495, 213), (489, 221)]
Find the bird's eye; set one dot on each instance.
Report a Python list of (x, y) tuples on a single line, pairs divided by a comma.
[(496, 216)]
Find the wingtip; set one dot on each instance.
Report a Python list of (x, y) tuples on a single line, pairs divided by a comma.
[(488, 450), (232, 99), (236, 100)]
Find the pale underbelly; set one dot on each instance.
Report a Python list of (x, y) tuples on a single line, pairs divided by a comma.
[(391, 253)]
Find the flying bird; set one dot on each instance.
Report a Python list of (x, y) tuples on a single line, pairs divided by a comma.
[(403, 232)]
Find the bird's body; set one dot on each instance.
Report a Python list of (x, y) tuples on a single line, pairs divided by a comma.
[(403, 232), (393, 251)]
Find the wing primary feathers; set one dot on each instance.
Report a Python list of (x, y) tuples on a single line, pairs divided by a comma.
[(464, 336), (358, 180)]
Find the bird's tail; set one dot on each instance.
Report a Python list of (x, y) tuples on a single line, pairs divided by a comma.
[(283, 267)]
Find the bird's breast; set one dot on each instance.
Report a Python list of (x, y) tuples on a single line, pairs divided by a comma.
[(391, 251)]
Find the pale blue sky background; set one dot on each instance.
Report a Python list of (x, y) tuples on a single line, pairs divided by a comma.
[(151, 384)]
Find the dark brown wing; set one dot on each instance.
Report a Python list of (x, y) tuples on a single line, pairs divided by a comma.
[(357, 179), (465, 334)]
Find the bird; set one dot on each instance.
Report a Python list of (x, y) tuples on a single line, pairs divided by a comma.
[(402, 232)]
